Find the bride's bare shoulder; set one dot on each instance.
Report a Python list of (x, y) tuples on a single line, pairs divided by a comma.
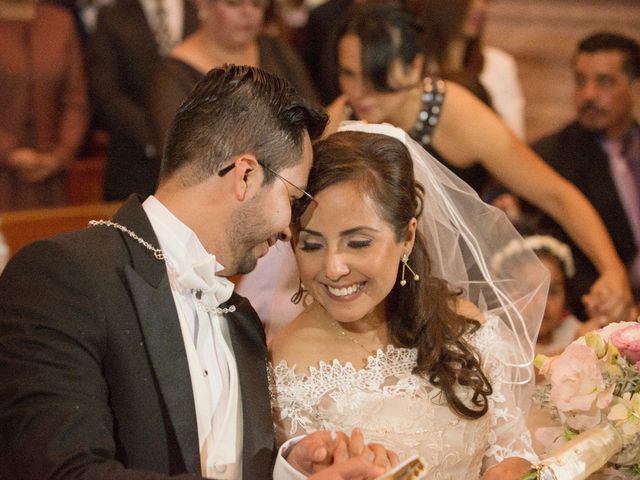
[(295, 342), (467, 309)]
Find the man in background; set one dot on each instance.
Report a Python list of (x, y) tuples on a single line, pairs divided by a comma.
[(599, 152), (129, 41)]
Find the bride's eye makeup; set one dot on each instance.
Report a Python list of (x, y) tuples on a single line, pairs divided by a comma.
[(359, 243), (309, 242), (306, 246)]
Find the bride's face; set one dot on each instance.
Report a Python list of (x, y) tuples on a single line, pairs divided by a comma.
[(347, 255)]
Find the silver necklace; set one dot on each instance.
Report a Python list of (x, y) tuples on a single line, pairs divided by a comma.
[(159, 255), (157, 252), (344, 334)]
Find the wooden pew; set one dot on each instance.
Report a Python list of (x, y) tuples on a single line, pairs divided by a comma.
[(26, 226), (23, 227)]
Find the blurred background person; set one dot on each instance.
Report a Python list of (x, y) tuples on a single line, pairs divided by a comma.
[(230, 31), (130, 38), (454, 49), (44, 103), (599, 151), (85, 13), (559, 325), (315, 45)]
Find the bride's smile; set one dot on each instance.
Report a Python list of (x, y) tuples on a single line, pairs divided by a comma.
[(348, 255), (346, 293)]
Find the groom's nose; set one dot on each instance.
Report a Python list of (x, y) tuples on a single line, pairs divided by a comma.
[(285, 235)]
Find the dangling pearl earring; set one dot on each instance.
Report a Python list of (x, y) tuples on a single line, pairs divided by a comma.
[(405, 265)]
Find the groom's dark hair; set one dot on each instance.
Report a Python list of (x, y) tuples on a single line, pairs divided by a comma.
[(233, 110)]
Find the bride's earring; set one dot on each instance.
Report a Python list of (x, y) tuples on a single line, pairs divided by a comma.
[(299, 294), (405, 266)]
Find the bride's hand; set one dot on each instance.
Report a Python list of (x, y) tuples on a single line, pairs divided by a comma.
[(512, 468), (381, 456), (357, 468), (317, 450)]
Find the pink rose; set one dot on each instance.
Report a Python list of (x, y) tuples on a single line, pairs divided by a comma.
[(576, 380), (627, 340)]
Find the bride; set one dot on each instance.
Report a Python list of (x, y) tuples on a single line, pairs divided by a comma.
[(408, 334)]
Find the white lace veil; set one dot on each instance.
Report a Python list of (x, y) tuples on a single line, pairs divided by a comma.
[(463, 235)]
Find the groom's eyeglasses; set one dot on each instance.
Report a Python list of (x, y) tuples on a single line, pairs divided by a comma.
[(298, 206)]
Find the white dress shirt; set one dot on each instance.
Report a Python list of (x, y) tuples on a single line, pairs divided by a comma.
[(212, 366)]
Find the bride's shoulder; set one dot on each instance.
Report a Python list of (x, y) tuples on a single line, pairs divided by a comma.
[(467, 309), (295, 342)]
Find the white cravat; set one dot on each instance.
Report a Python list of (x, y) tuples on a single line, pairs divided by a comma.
[(629, 194), (197, 291)]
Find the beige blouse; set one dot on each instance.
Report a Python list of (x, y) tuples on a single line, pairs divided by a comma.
[(43, 99)]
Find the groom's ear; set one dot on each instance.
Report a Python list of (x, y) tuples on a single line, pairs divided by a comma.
[(247, 177)]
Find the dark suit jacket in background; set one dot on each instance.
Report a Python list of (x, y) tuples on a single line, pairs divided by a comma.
[(577, 155), (94, 376), (122, 56)]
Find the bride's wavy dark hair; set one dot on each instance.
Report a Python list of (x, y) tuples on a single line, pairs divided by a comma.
[(419, 315)]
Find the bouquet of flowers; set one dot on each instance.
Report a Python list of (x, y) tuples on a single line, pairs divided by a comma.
[(593, 391)]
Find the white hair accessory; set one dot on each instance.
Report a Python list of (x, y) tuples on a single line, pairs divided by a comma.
[(379, 128), (562, 251), (539, 244)]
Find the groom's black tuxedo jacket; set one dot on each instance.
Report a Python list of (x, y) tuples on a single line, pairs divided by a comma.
[(94, 379)]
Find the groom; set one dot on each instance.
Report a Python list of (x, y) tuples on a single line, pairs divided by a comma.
[(121, 355)]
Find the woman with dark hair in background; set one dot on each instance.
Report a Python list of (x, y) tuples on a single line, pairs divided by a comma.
[(381, 64), (452, 32)]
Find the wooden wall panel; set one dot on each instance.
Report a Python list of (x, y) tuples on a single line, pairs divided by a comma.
[(542, 35)]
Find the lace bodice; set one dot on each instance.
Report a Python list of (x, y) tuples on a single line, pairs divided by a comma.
[(403, 411)]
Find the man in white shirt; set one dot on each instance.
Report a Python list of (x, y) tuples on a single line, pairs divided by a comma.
[(123, 355)]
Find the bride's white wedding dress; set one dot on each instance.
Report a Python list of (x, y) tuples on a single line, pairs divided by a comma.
[(403, 411)]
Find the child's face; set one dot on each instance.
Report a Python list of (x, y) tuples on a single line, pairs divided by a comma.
[(556, 301)]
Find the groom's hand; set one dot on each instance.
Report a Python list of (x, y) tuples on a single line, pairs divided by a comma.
[(320, 450), (317, 450), (357, 468)]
